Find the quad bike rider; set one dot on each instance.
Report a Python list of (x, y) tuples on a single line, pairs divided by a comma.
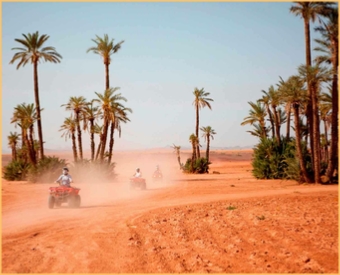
[(157, 175), (137, 180), (64, 193)]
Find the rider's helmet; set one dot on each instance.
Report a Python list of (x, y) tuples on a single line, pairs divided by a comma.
[(65, 170), (157, 167), (137, 169)]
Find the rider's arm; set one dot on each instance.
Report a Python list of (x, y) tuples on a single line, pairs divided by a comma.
[(70, 178), (58, 180)]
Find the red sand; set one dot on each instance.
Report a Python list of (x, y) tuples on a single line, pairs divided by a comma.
[(213, 223)]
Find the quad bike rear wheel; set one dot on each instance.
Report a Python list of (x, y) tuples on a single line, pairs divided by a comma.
[(51, 201), (74, 201)]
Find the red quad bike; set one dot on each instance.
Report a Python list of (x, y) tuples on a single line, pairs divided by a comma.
[(137, 182), (61, 194), (157, 176)]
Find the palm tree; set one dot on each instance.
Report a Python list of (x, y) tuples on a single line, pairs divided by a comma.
[(310, 11), (107, 100), (266, 101), (194, 142), (274, 102), (177, 150), (13, 140), (34, 51), (314, 76), (330, 46), (257, 131), (25, 116), (90, 114), (293, 91), (325, 115), (208, 133), (99, 131), (201, 101), (120, 115), (257, 114), (105, 48), (69, 127), (77, 106)]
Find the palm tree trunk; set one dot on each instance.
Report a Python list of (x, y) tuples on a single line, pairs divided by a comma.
[(333, 160), (326, 140), (277, 126), (193, 157), (208, 146), (112, 130), (14, 153), (197, 126), (80, 145), (37, 106), (107, 76), (271, 120), (288, 122), (31, 141), (29, 150), (74, 148), (98, 150), (316, 137), (309, 111), (103, 139), (298, 144), (92, 139)]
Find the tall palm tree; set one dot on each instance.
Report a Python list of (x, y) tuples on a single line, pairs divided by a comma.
[(201, 101), (33, 51), (70, 127), (208, 133), (257, 114), (330, 45), (13, 140), (178, 152), (77, 106), (310, 11), (25, 116), (120, 116), (106, 101), (314, 76), (90, 114), (293, 91), (105, 48)]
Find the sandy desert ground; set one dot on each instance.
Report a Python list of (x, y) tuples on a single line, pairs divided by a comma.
[(212, 223)]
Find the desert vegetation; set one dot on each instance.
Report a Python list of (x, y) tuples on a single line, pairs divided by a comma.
[(309, 98)]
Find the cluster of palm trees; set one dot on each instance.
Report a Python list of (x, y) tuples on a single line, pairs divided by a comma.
[(109, 108), (201, 100), (304, 95)]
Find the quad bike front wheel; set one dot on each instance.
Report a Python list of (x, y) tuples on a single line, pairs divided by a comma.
[(51, 201)]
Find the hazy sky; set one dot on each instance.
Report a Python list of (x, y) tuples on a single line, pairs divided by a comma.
[(232, 50)]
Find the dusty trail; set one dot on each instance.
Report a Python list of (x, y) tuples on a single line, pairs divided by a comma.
[(225, 222)]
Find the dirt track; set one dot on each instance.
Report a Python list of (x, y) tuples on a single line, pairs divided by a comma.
[(216, 223)]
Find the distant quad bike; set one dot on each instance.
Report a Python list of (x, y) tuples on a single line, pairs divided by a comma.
[(64, 194), (137, 182), (157, 176)]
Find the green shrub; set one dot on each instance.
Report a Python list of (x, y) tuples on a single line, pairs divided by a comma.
[(201, 166), (47, 170), (16, 170), (269, 158)]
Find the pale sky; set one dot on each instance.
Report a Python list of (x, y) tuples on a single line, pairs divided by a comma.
[(232, 50)]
